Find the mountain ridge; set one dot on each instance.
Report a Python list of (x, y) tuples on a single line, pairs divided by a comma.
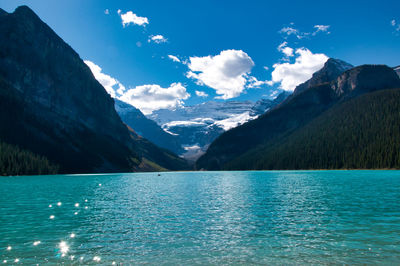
[(54, 106), (296, 111)]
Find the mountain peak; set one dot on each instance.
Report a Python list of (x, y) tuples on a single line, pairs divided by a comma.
[(365, 78), (330, 71), (25, 12), (3, 12)]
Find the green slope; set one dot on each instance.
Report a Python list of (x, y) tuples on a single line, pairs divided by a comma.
[(360, 133), (16, 161)]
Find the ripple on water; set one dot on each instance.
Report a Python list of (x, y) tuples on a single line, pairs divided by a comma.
[(204, 218)]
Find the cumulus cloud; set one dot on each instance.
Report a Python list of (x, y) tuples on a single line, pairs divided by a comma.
[(227, 73), (157, 38), (110, 84), (201, 94), (107, 12), (146, 98), (149, 98), (174, 58), (285, 49), (253, 82), (289, 75), (129, 17)]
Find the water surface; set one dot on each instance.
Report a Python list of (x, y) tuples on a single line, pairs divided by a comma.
[(273, 217)]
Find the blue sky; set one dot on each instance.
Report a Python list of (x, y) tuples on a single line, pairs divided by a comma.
[(228, 49)]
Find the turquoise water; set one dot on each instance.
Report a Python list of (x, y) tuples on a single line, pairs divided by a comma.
[(277, 217)]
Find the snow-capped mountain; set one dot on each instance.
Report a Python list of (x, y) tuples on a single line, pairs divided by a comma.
[(397, 69), (198, 125)]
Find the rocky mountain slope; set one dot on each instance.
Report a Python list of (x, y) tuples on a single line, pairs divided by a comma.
[(248, 143), (197, 126), (147, 128), (51, 105)]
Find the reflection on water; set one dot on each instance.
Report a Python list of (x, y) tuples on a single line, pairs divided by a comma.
[(277, 217)]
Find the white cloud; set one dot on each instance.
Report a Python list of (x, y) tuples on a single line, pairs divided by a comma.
[(174, 58), (110, 84), (157, 39), (395, 25), (152, 97), (119, 11), (289, 75), (285, 49), (226, 73), (266, 68), (321, 28), (253, 82), (147, 98), (291, 31), (201, 94), (107, 12), (130, 17), (287, 31)]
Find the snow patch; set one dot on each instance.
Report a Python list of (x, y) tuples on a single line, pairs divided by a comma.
[(235, 120)]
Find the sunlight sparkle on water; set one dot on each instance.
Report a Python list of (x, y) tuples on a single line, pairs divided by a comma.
[(64, 248), (50, 206), (9, 248), (16, 260), (96, 258), (36, 243), (51, 216), (76, 204), (72, 235), (59, 203)]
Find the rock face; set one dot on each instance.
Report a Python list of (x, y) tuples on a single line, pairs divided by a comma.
[(362, 79), (264, 105), (147, 128), (52, 105), (397, 69), (294, 113), (330, 71), (195, 127)]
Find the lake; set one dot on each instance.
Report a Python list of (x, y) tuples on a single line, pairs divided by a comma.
[(186, 218)]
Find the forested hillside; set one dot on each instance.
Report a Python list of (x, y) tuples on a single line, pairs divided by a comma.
[(361, 133)]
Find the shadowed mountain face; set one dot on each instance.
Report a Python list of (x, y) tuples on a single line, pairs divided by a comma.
[(147, 128), (258, 136), (53, 106), (397, 69), (331, 70)]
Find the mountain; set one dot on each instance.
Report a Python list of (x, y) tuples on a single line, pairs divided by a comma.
[(147, 128), (330, 71), (360, 133), (52, 106), (264, 105), (197, 126), (397, 69), (270, 131)]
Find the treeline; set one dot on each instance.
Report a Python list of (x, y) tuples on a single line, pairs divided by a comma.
[(362, 133), (16, 161)]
